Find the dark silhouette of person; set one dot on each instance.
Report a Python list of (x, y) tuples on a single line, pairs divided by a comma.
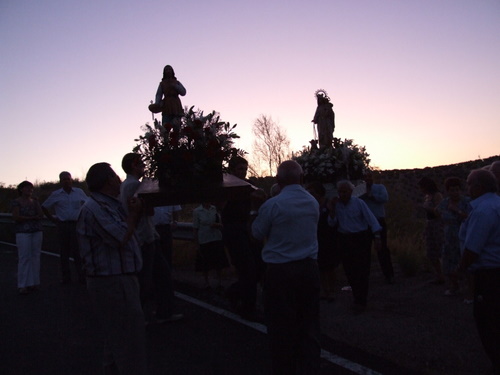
[(244, 253)]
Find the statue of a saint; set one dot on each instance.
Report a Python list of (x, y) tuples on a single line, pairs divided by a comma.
[(167, 98), (324, 118)]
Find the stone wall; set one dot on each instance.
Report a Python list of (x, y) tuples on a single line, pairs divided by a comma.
[(403, 182)]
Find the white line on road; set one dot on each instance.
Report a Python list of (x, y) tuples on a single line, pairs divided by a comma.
[(330, 357)]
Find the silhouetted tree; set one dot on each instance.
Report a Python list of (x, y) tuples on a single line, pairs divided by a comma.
[(271, 145)]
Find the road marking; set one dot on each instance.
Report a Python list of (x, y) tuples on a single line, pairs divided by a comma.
[(330, 357)]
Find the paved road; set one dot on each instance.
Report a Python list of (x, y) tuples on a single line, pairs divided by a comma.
[(54, 331)]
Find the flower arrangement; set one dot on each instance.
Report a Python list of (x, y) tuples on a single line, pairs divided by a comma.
[(187, 154), (345, 160)]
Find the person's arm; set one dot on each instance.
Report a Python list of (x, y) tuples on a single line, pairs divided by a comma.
[(48, 205), (159, 95), (181, 90), (468, 257), (49, 215), (17, 217), (260, 222), (135, 208), (371, 220)]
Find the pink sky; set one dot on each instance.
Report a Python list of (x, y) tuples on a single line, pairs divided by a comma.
[(416, 82)]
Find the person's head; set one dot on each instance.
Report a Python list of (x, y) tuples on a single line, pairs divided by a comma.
[(427, 185), (368, 177), (275, 190), (168, 72), (317, 190), (102, 178), (344, 189), (480, 182), (453, 187), (65, 180), (238, 167), (132, 164), (289, 173), (25, 188), (495, 169)]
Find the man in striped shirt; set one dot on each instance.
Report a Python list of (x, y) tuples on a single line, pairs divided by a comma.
[(112, 259)]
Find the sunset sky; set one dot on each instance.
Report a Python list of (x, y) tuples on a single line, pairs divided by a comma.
[(415, 81)]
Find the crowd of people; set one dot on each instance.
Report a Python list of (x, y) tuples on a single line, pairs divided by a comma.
[(291, 242)]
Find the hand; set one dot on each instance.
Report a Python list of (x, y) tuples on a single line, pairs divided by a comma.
[(377, 243)]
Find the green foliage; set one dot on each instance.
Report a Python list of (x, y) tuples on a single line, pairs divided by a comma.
[(345, 160), (199, 143)]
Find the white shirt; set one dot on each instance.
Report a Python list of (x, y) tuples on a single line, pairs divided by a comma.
[(66, 205), (163, 214), (353, 217)]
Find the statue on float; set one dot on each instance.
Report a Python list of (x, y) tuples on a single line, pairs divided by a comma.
[(324, 119), (167, 99)]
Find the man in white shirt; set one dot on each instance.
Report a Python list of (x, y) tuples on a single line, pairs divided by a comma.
[(356, 227), (287, 223), (66, 202)]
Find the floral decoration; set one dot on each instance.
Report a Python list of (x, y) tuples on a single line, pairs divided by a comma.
[(345, 160), (195, 151)]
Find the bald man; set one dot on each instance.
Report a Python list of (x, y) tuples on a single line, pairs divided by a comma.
[(288, 222)]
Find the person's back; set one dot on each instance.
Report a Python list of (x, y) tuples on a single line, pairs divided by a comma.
[(288, 225), (293, 234)]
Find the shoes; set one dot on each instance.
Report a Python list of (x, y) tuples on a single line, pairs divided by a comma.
[(450, 292), (169, 319), (468, 301), (23, 291)]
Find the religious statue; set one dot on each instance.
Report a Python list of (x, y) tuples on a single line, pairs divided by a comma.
[(167, 99), (324, 118)]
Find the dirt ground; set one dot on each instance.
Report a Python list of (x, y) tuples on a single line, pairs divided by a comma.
[(411, 323)]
